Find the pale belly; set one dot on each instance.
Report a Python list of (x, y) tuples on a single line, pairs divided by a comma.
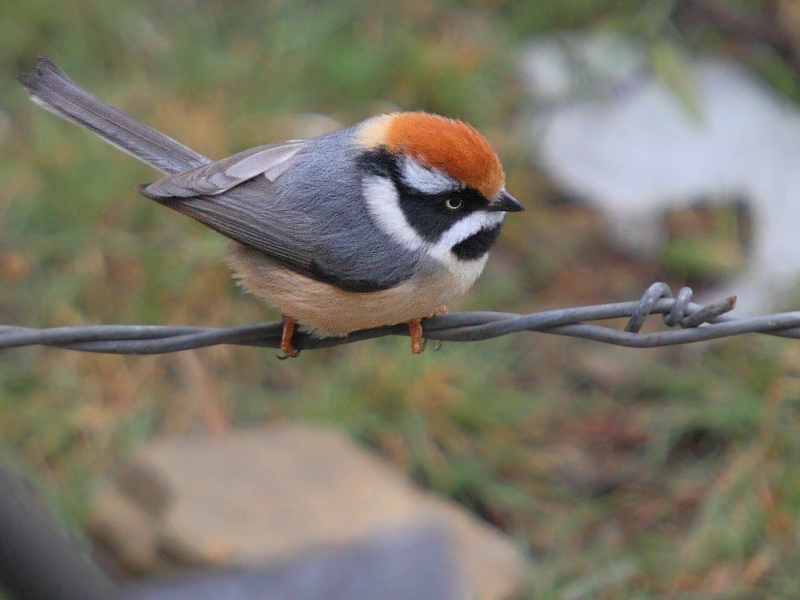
[(329, 311)]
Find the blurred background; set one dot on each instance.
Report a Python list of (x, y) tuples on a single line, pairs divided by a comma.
[(619, 473)]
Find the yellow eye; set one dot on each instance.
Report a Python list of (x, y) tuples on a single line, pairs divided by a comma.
[(454, 203)]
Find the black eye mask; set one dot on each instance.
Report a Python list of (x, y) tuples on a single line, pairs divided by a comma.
[(428, 214)]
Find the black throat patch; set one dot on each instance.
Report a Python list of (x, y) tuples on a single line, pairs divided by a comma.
[(478, 244)]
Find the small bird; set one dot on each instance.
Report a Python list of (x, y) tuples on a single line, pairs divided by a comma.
[(379, 223)]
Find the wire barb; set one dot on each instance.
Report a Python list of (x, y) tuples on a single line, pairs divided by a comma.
[(689, 323)]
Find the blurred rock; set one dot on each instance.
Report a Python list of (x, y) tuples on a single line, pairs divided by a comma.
[(259, 498), (561, 68), (400, 565), (632, 148), (125, 531)]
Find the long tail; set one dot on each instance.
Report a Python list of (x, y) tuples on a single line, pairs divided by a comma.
[(52, 89)]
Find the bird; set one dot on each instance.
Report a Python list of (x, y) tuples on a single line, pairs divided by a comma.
[(379, 223)]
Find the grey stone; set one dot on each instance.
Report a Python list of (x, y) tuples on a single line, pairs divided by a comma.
[(256, 498), (404, 565), (608, 130), (125, 531)]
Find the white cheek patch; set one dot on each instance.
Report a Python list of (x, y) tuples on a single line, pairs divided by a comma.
[(425, 180), (383, 203)]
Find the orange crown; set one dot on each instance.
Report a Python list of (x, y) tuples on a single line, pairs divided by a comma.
[(449, 145)]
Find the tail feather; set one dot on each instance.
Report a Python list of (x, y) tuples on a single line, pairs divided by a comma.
[(52, 89)]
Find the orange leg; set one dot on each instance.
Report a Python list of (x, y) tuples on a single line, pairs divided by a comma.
[(415, 329), (417, 343), (288, 350)]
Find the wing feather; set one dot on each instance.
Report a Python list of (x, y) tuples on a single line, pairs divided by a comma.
[(210, 180), (276, 237), (299, 210)]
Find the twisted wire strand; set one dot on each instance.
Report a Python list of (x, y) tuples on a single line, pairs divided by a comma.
[(689, 323)]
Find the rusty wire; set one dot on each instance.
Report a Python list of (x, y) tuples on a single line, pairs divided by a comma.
[(688, 322)]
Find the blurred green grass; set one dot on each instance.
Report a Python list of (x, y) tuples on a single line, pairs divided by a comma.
[(624, 474)]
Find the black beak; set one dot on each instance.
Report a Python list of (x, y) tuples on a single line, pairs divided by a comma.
[(505, 203)]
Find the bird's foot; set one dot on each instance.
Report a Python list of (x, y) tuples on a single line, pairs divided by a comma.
[(288, 350), (417, 343), (442, 310), (415, 329)]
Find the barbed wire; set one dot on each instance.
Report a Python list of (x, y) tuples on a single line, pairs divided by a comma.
[(689, 323)]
